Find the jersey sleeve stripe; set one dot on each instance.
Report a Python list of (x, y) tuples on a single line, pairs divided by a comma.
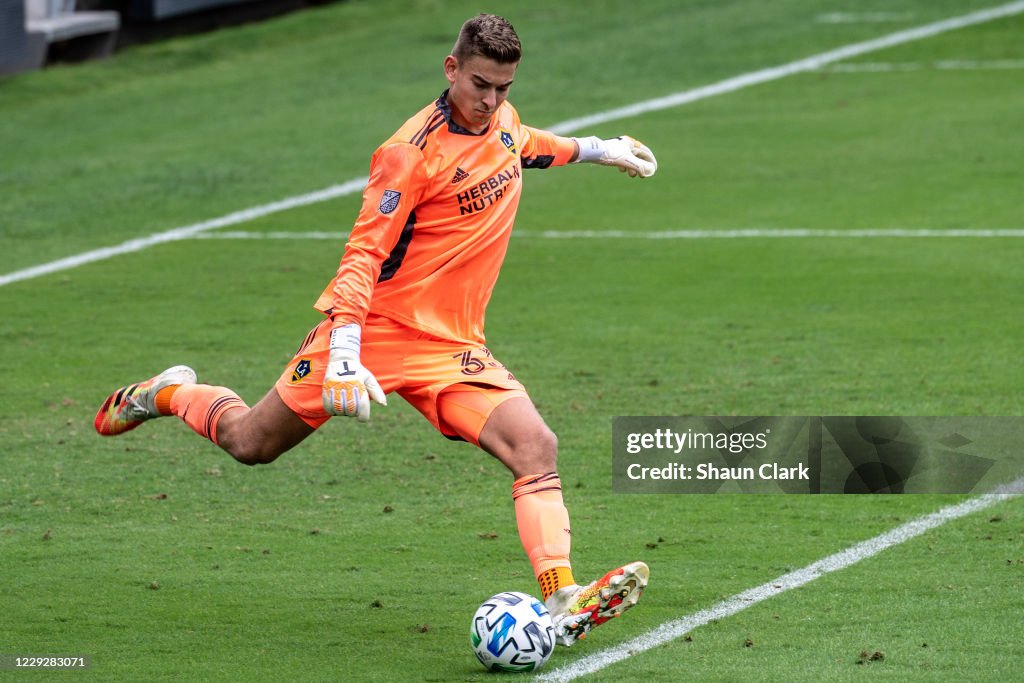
[(397, 255), (423, 145), (539, 161), (431, 124)]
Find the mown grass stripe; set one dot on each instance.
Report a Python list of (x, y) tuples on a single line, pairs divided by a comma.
[(564, 128), (864, 550), (743, 233)]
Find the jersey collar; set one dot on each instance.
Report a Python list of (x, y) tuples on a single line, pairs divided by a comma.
[(446, 109)]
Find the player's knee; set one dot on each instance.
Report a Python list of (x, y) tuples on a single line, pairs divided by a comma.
[(252, 458), (548, 444), (539, 450), (253, 452), (248, 441)]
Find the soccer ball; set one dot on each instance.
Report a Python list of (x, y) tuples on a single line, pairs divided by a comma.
[(512, 632)]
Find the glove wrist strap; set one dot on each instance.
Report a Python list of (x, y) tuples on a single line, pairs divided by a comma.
[(347, 339), (591, 149)]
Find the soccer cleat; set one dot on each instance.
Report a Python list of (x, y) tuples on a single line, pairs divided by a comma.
[(577, 609), (130, 406)]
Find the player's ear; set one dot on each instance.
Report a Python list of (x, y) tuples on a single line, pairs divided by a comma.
[(451, 66)]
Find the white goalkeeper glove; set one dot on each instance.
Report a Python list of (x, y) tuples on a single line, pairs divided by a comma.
[(631, 156), (348, 386)]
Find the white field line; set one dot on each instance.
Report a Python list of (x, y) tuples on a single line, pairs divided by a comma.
[(746, 233), (941, 65), (564, 128), (802, 65), (863, 17), (861, 551), (184, 232)]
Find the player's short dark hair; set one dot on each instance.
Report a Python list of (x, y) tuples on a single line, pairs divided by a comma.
[(491, 36)]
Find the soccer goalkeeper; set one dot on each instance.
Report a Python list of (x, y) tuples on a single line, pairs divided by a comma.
[(405, 314)]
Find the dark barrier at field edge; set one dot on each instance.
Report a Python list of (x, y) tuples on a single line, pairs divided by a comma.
[(815, 454)]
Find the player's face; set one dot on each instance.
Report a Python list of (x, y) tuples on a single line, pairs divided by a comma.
[(477, 87)]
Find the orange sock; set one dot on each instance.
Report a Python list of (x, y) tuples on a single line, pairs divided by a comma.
[(553, 579), (201, 406), (544, 529), (163, 399)]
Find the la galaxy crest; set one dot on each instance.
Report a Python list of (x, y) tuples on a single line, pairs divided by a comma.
[(302, 369), (506, 139)]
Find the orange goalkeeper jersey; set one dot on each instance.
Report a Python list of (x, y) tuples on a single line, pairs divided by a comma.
[(435, 222)]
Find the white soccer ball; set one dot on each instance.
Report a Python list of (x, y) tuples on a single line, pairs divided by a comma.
[(512, 632)]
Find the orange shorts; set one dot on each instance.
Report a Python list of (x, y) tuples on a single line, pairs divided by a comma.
[(426, 371)]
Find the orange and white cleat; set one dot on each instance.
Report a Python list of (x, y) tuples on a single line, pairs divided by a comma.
[(575, 610), (130, 406)]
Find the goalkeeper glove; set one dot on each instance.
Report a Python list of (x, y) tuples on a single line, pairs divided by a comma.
[(631, 156), (348, 386)]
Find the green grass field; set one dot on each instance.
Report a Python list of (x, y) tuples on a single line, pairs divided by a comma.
[(362, 554)]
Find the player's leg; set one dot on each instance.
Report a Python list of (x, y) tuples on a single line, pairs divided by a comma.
[(286, 415), (510, 429), (260, 434), (506, 424), (251, 435), (515, 433)]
